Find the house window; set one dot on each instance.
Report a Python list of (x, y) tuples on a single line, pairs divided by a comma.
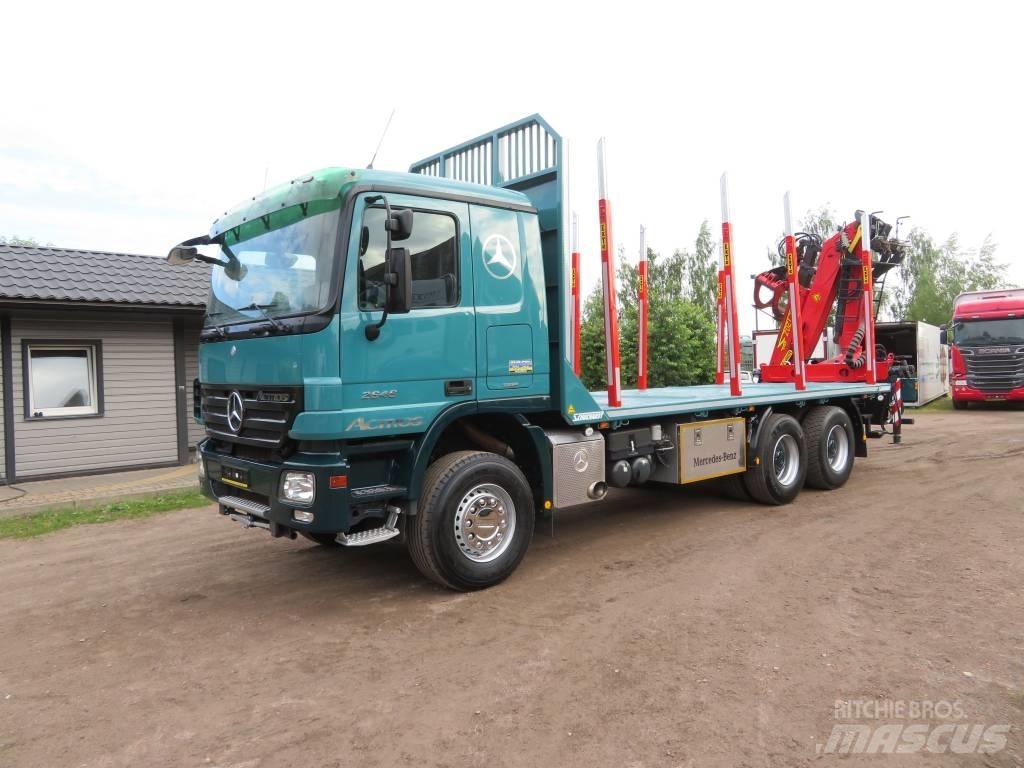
[(434, 254), (62, 378)]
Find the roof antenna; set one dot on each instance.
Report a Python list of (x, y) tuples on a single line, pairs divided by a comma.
[(385, 133)]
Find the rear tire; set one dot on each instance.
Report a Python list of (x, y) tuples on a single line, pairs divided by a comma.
[(830, 446), (960, 405), (475, 520), (780, 461)]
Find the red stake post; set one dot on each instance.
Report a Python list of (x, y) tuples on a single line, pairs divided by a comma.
[(729, 336), (611, 312), (793, 279), (576, 308), (641, 358), (720, 325), (871, 375)]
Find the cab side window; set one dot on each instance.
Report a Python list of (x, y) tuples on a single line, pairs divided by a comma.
[(433, 249)]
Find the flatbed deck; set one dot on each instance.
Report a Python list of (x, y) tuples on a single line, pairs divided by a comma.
[(666, 401)]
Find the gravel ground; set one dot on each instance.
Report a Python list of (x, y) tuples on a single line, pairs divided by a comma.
[(667, 627)]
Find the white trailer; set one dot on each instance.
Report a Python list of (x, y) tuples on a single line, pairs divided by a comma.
[(918, 344)]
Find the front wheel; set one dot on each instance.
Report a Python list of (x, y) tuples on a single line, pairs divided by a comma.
[(475, 520), (780, 461), (960, 405)]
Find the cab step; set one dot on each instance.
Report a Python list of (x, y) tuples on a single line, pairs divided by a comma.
[(364, 538), (375, 535)]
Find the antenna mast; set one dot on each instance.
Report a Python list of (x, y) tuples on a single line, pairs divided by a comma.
[(385, 133)]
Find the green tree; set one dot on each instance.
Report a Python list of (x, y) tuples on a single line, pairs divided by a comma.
[(15, 240), (681, 334), (931, 276), (821, 221), (702, 271)]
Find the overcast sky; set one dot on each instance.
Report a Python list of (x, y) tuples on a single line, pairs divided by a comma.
[(130, 127)]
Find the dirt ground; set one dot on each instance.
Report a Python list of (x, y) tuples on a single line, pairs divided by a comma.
[(668, 628)]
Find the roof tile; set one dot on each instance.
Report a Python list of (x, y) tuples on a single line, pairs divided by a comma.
[(64, 274)]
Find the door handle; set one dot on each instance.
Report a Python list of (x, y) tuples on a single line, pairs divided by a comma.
[(458, 387)]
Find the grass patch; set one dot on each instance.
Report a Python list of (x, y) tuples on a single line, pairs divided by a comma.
[(942, 404), (49, 520)]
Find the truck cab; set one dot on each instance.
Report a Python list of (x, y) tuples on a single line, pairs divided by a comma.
[(986, 339)]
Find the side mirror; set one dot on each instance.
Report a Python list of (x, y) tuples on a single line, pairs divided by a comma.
[(181, 254), (400, 280), (943, 335), (400, 224)]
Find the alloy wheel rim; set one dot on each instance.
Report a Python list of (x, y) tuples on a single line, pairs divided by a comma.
[(786, 460), (485, 523), (837, 447)]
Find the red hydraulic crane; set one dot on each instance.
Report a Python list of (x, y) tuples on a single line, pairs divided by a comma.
[(838, 272)]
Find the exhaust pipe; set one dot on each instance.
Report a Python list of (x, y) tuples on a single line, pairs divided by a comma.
[(598, 490)]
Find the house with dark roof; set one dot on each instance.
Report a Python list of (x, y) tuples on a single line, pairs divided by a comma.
[(99, 351)]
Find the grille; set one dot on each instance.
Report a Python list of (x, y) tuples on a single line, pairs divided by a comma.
[(997, 369), (268, 413)]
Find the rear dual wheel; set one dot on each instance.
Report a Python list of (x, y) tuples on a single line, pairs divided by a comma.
[(780, 461), (830, 446)]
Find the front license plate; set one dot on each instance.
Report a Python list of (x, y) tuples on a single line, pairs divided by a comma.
[(236, 477)]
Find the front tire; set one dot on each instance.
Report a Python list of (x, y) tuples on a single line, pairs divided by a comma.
[(960, 405), (780, 465), (475, 520), (830, 446)]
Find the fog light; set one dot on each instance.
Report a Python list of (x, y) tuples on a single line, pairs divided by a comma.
[(299, 487), (302, 515)]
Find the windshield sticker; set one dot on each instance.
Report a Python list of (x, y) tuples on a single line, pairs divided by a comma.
[(499, 255)]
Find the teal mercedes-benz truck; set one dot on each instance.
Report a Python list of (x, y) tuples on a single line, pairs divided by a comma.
[(385, 357)]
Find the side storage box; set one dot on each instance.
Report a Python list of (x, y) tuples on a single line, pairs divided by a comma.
[(577, 461), (705, 449)]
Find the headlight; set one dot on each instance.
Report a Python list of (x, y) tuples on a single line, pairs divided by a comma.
[(299, 487), (201, 468)]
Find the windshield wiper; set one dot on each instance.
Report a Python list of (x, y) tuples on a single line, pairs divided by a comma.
[(262, 309)]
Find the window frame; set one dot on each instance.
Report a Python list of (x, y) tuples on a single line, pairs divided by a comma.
[(94, 355), (457, 255)]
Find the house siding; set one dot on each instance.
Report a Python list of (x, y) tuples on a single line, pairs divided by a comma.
[(137, 427), (195, 430), (3, 442)]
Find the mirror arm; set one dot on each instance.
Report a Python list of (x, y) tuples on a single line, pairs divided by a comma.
[(372, 331), (210, 260)]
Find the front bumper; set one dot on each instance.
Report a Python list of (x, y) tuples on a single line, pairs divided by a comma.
[(966, 393), (331, 506)]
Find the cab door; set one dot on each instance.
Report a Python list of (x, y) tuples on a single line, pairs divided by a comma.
[(422, 361), (511, 327)]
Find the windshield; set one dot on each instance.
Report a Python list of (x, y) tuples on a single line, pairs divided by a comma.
[(286, 272), (981, 333)]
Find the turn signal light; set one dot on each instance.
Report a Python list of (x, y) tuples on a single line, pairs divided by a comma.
[(338, 481)]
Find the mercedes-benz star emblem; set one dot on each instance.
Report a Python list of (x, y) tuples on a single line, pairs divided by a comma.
[(500, 258), (580, 461), (236, 412)]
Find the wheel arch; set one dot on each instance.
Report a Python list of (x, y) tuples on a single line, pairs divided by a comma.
[(466, 426)]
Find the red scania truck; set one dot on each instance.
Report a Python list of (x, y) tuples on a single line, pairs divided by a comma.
[(986, 340)]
